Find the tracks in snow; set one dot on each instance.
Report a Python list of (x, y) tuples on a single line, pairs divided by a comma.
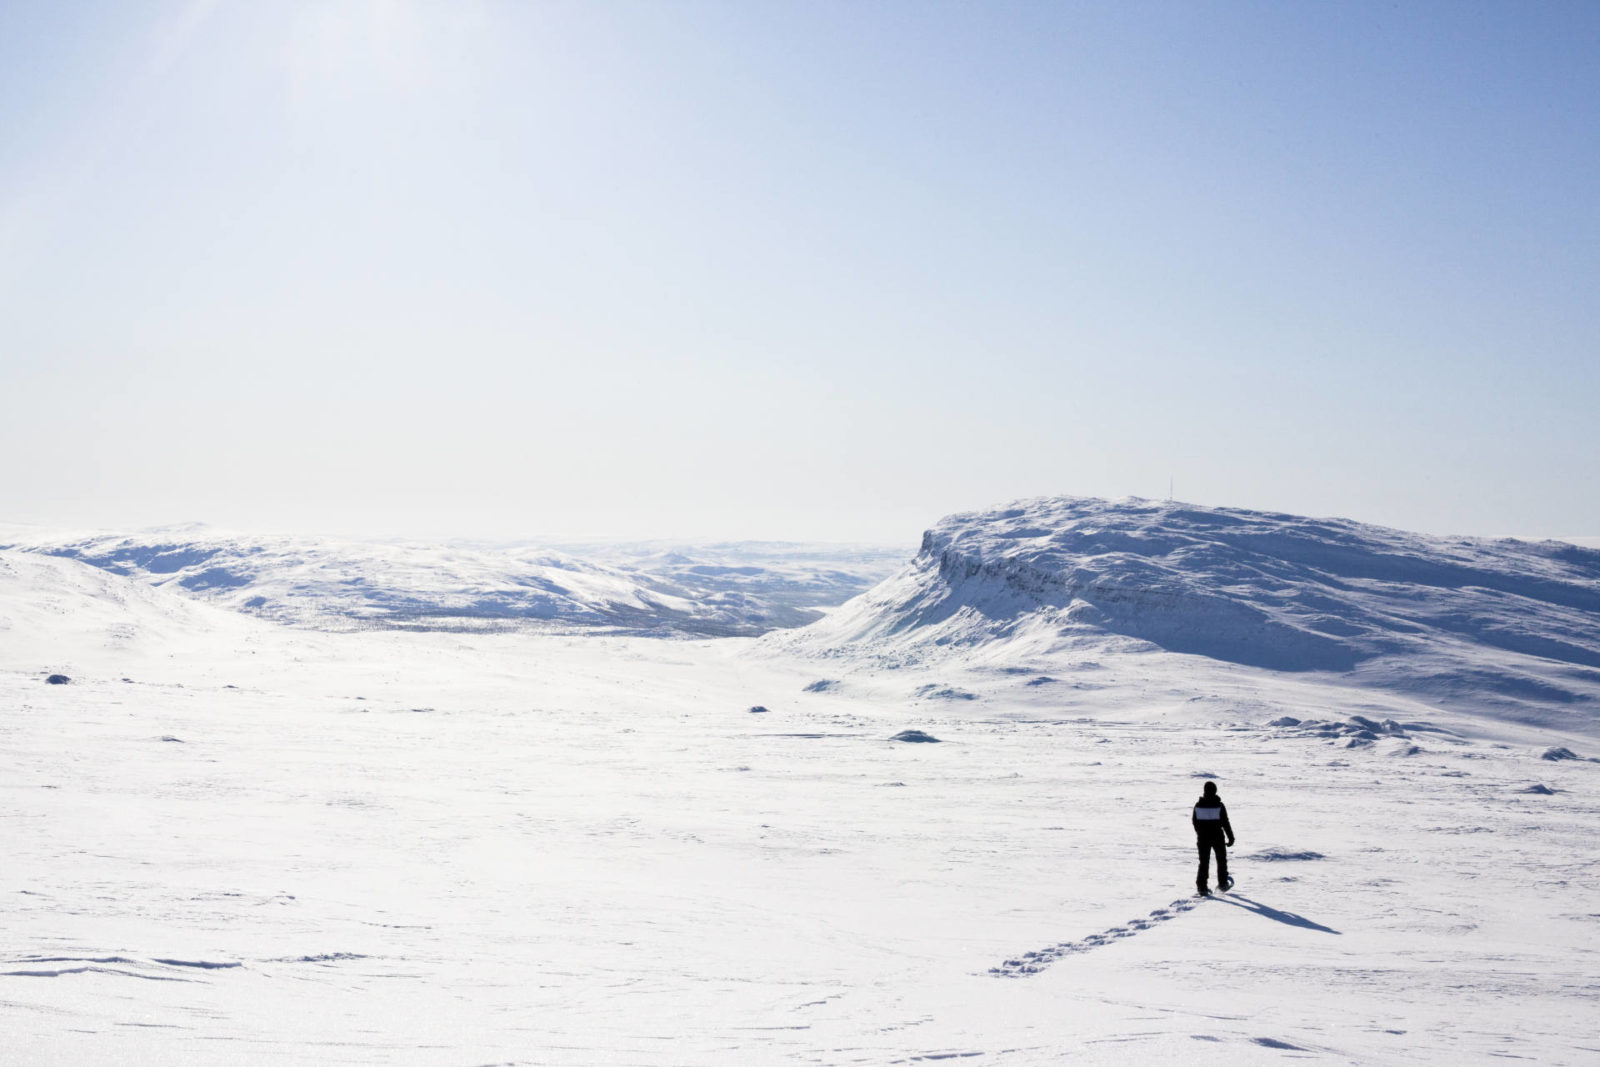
[(1036, 961)]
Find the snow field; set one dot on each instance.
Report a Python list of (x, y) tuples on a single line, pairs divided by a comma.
[(435, 848)]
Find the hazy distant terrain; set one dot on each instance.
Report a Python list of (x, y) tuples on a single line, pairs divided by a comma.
[(774, 584), (717, 589)]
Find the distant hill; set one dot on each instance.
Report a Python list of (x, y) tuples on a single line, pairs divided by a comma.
[(780, 583), (1462, 619), (727, 589)]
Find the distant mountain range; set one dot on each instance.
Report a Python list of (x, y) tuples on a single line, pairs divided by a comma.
[(721, 589)]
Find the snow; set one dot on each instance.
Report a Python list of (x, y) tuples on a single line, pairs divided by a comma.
[(1505, 626), (718, 589), (782, 583), (231, 841)]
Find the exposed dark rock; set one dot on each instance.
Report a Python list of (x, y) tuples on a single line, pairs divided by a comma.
[(1281, 855)]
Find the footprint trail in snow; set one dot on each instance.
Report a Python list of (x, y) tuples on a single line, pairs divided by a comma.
[(1036, 961)]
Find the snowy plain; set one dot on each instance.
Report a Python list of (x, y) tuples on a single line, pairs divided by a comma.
[(234, 841)]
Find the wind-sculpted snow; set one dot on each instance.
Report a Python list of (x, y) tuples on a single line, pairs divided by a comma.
[(1453, 619), (719, 590)]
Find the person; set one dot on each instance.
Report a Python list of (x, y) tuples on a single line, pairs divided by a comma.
[(1211, 825)]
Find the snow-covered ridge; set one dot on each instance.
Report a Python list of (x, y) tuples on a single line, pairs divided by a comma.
[(1457, 617), (324, 582)]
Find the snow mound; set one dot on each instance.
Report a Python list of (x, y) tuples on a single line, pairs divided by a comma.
[(934, 691), (1509, 624)]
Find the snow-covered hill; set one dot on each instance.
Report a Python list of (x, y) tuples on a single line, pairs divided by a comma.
[(62, 616), (320, 582), (1505, 624), (63, 601)]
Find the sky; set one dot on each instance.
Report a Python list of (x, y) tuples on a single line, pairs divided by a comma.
[(795, 270)]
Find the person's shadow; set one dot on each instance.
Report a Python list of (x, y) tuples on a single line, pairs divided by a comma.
[(1288, 918)]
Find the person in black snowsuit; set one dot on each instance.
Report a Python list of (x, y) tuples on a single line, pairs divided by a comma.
[(1210, 821)]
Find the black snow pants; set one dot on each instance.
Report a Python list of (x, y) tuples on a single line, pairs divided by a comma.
[(1207, 845)]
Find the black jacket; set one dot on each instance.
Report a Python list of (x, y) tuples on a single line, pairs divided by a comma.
[(1210, 819)]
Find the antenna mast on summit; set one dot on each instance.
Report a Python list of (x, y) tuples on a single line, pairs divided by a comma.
[(1169, 488)]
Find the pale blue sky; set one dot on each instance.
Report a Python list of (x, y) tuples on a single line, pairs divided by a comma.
[(805, 270)]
